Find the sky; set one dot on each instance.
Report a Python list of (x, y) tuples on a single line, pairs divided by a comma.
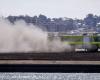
[(50, 8)]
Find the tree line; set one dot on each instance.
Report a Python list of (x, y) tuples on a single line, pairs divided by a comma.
[(58, 24)]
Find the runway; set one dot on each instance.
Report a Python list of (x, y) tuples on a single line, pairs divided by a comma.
[(55, 56), (76, 58)]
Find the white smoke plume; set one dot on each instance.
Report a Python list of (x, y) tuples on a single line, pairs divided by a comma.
[(21, 37)]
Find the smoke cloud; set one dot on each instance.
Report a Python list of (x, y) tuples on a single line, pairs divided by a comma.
[(21, 37)]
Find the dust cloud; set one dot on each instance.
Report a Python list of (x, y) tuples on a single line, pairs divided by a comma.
[(20, 37)]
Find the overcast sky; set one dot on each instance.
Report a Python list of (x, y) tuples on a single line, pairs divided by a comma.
[(50, 8)]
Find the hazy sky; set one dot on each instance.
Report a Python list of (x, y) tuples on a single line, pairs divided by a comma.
[(50, 8)]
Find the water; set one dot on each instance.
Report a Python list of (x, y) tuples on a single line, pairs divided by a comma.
[(49, 76)]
